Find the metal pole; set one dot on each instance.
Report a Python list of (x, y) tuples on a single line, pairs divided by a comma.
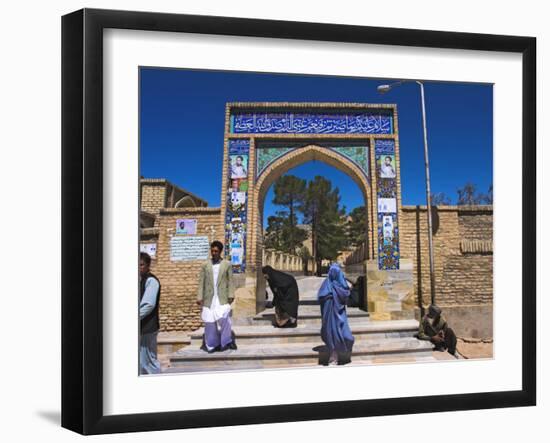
[(428, 195)]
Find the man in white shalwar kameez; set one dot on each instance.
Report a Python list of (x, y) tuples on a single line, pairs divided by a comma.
[(215, 295)]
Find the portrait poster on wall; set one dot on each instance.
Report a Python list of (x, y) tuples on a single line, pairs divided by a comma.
[(186, 226)]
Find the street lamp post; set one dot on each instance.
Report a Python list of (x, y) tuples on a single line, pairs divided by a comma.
[(382, 89)]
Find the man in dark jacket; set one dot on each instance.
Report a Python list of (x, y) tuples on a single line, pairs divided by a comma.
[(149, 297), (433, 327)]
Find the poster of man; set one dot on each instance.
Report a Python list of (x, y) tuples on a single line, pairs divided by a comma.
[(237, 250), (239, 172), (387, 166), (387, 230), (237, 200), (186, 226)]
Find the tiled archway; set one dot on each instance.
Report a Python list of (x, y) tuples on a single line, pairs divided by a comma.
[(290, 160), (263, 140)]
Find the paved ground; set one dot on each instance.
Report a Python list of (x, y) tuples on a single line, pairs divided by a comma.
[(471, 348)]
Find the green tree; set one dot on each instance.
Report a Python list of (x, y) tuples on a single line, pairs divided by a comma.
[(357, 225), (322, 211), (274, 232), (289, 192), (280, 235)]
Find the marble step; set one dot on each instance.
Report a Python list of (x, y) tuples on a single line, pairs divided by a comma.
[(310, 333), (310, 301), (307, 313), (252, 365), (292, 354)]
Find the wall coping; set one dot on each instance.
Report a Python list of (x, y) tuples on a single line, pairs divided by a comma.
[(182, 211), (301, 105)]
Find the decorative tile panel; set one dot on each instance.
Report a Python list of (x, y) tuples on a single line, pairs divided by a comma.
[(237, 203), (357, 154), (266, 156), (362, 122), (388, 229)]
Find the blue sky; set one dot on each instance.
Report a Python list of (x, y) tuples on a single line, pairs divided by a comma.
[(182, 123)]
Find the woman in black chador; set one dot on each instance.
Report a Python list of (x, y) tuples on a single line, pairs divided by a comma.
[(285, 297)]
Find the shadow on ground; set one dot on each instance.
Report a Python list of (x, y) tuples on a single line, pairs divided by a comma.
[(54, 417)]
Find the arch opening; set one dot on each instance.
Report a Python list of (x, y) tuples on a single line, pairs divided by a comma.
[(285, 165)]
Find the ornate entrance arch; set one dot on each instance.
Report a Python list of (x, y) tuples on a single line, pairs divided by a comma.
[(264, 140), (297, 157)]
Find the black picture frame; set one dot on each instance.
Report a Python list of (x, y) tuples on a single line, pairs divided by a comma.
[(82, 190)]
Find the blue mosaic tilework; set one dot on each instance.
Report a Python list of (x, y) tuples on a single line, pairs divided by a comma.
[(388, 245), (388, 250), (239, 146), (266, 156), (236, 211), (364, 122), (385, 146), (357, 154)]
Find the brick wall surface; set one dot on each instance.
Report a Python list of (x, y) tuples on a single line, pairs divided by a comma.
[(476, 225), (153, 197), (460, 278)]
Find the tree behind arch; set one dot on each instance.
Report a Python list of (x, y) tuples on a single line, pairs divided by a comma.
[(283, 232), (322, 211)]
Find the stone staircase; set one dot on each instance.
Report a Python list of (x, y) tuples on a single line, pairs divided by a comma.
[(260, 345)]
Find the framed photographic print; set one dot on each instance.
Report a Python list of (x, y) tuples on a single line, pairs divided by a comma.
[(270, 221)]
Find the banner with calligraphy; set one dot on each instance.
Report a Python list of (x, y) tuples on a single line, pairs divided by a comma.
[(376, 121)]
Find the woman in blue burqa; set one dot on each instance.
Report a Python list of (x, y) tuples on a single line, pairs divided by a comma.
[(335, 331)]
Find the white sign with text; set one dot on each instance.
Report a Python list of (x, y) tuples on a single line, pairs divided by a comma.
[(189, 248)]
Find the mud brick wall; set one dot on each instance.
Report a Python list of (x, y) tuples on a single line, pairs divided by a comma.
[(152, 195), (462, 253), (476, 224), (178, 310)]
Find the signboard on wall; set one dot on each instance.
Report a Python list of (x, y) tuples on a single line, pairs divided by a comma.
[(189, 248), (149, 248)]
